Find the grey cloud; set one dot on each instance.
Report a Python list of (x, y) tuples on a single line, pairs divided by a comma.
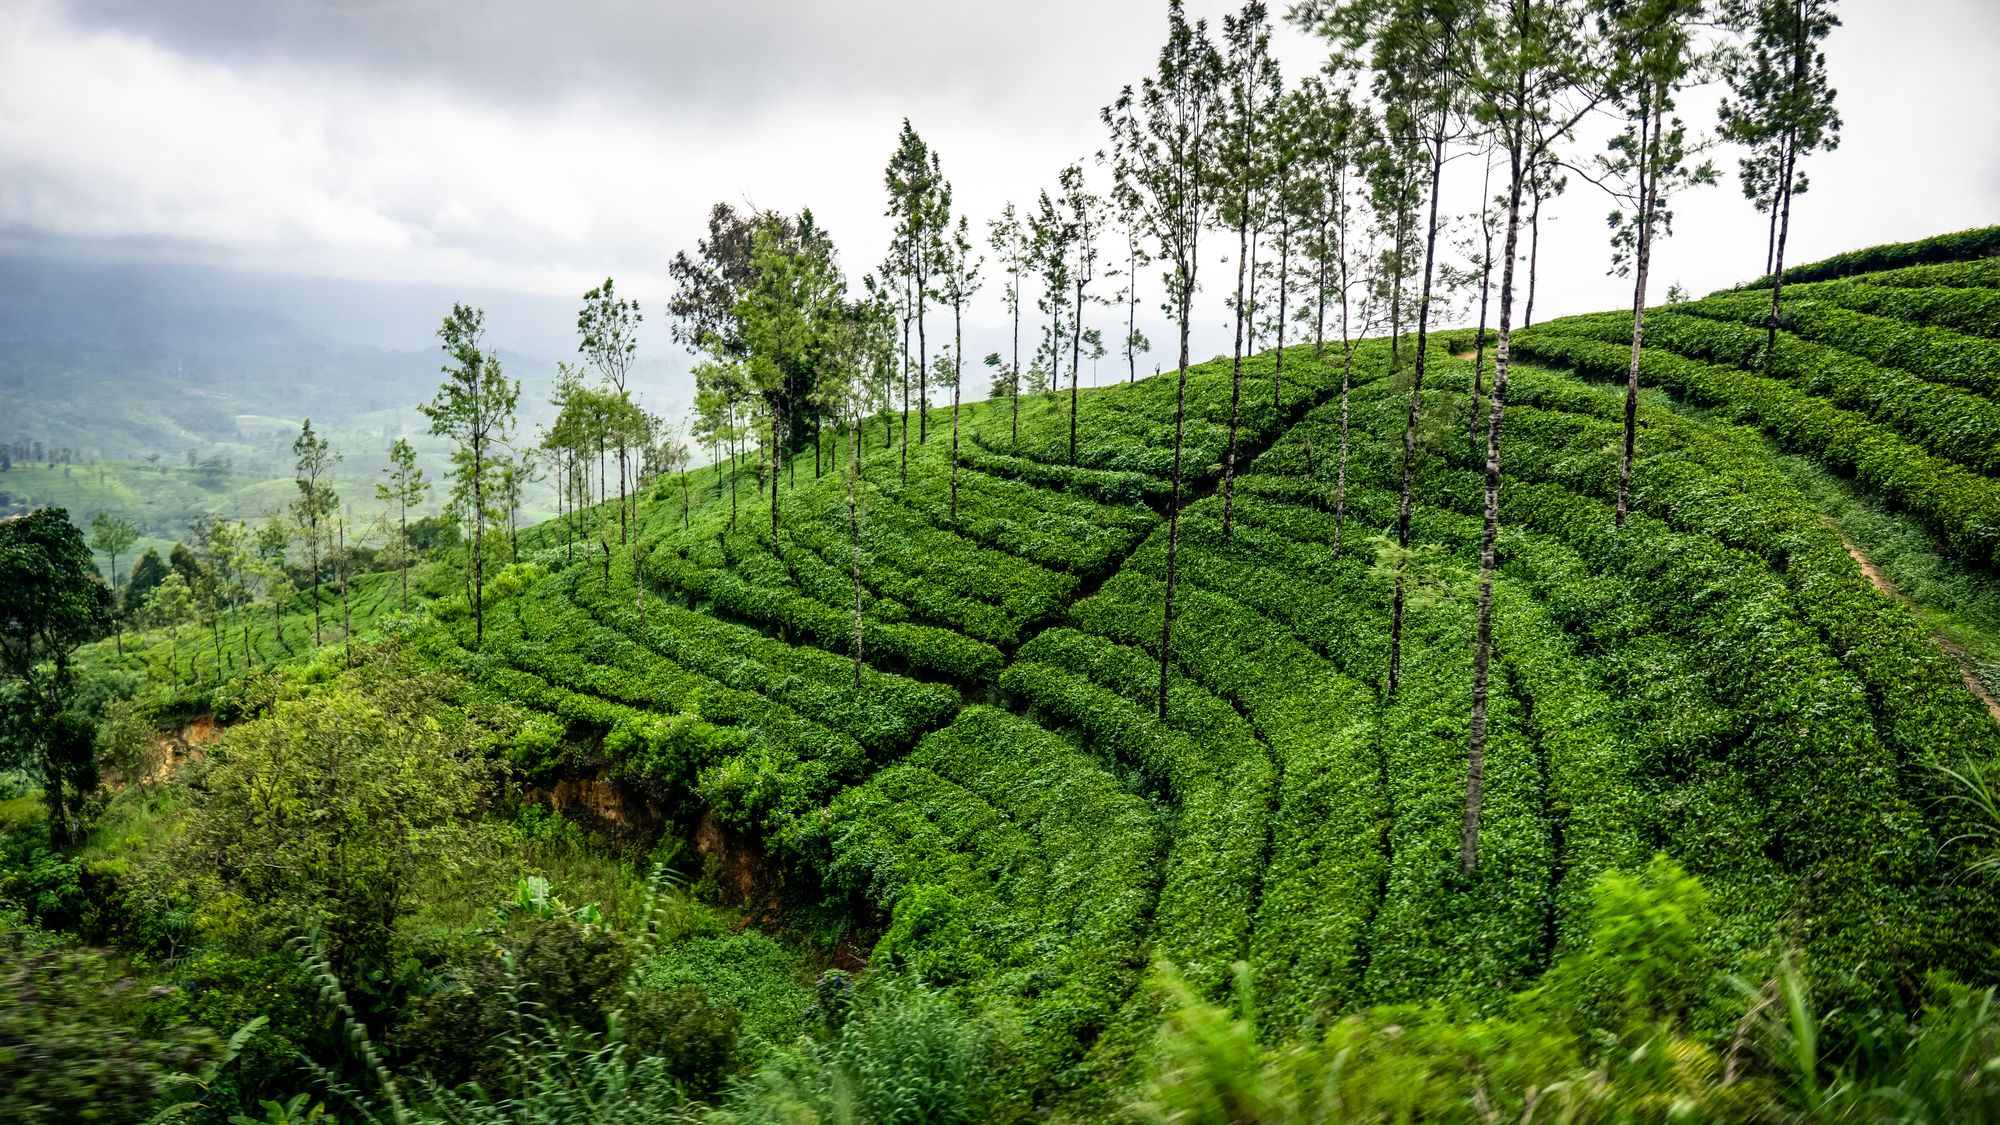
[(722, 56)]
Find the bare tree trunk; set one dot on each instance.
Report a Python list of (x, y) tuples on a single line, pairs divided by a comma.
[(1075, 360), (1250, 296), (312, 551), (923, 372), (1236, 370), (1284, 290), (1014, 390), (774, 481), (1475, 770), (906, 393), (479, 540), (1410, 432), (1346, 355), (1534, 254), (1319, 301), (1778, 262), (346, 600), (1174, 507), (854, 536), (1485, 291), (958, 382), (1648, 175), (1131, 307), (1771, 239)]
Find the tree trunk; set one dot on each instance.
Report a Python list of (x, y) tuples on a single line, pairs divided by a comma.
[(1236, 371), (774, 482), (1485, 291), (479, 537), (854, 536), (117, 622), (1015, 379), (1250, 296), (1410, 431), (1284, 290), (1075, 361), (1346, 361), (1174, 504), (1778, 261), (1771, 238), (621, 493), (404, 535), (957, 383), (923, 371), (1534, 253), (906, 395), (312, 551), (1131, 308), (1648, 176), (346, 600), (1475, 766)]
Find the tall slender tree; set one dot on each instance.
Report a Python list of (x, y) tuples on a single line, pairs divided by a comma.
[(1545, 182), (1251, 75), (1080, 219), (313, 459), (1050, 235), (1007, 237), (920, 204), (113, 534), (1540, 75), (1136, 343), (1349, 140), (474, 407), (1780, 107), (1421, 54), (958, 280), (607, 328), (1163, 163), (1485, 273), (789, 317), (1291, 208), (1653, 54), (402, 488)]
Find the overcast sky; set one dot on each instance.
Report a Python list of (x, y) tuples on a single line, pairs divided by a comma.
[(540, 146)]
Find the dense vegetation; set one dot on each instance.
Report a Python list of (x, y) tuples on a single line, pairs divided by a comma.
[(1240, 744)]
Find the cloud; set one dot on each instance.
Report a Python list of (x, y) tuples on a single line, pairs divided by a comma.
[(538, 147)]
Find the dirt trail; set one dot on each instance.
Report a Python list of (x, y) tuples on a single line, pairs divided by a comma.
[(1973, 683)]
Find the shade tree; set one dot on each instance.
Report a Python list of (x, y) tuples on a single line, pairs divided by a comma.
[(52, 600), (474, 407), (1162, 159)]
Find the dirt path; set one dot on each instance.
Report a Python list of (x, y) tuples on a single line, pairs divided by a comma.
[(1973, 683)]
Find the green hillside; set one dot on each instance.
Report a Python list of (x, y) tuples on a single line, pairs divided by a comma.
[(1719, 683), (990, 803)]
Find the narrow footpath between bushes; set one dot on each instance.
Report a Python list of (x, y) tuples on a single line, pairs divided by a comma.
[(1973, 683)]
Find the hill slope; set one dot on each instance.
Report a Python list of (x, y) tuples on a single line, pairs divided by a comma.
[(998, 800)]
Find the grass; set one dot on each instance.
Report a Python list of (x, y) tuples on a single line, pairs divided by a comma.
[(1955, 601)]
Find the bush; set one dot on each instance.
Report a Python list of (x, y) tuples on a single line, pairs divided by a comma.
[(1982, 242)]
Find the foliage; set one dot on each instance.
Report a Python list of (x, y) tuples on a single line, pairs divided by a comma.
[(51, 601), (75, 1044)]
